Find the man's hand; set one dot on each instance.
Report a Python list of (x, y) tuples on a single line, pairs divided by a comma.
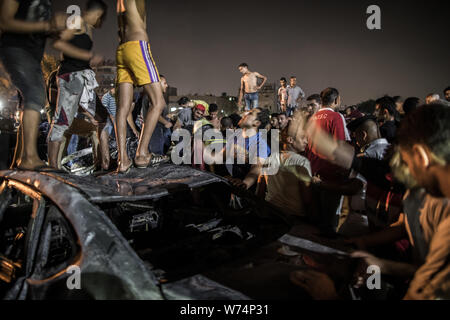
[(370, 259), (58, 22), (318, 285), (238, 183), (91, 119), (168, 125), (96, 60), (66, 35)]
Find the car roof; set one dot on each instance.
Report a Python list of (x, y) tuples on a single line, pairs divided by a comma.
[(138, 184)]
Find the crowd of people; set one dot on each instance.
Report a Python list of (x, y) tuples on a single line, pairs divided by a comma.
[(390, 165)]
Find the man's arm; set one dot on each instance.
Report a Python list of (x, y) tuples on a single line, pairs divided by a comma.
[(164, 122), (261, 77), (8, 22), (393, 268), (251, 177), (70, 50), (177, 125), (241, 91), (301, 96), (391, 234)]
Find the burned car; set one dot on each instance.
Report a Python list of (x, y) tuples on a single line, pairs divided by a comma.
[(151, 234)]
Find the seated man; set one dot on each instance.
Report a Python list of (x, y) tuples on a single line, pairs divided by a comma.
[(382, 201), (252, 124), (421, 137), (213, 116), (294, 171), (185, 102)]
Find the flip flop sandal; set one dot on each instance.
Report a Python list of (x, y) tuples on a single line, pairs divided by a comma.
[(127, 170), (154, 161), (158, 159)]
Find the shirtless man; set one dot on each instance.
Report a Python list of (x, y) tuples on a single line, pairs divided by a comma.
[(249, 87), (135, 66)]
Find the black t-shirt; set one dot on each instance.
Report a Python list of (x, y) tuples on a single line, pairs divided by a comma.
[(388, 131), (32, 11), (81, 41)]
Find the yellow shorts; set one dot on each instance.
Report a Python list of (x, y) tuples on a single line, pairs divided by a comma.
[(135, 64)]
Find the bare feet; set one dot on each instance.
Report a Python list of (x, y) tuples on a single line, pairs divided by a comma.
[(30, 164), (124, 166), (143, 161)]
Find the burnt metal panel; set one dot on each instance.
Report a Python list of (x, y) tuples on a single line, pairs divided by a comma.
[(138, 184)]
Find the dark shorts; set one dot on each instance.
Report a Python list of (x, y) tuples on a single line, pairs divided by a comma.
[(25, 72), (251, 100)]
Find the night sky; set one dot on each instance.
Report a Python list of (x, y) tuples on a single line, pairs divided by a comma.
[(198, 44)]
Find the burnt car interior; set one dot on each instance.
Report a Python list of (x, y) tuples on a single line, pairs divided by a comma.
[(194, 229), (36, 239)]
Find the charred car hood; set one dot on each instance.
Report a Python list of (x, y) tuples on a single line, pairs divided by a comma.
[(138, 184)]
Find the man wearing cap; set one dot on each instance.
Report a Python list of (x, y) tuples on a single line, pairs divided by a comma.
[(185, 102), (187, 117)]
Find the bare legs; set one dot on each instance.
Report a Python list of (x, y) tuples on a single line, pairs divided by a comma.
[(53, 154), (28, 158), (18, 150), (154, 91), (143, 156), (104, 149), (124, 108)]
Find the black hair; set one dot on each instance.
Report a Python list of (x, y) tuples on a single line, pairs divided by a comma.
[(226, 122), (236, 119), (446, 89), (183, 100), (97, 4), (263, 117), (243, 65), (315, 97), (397, 99), (274, 115), (410, 104), (293, 77), (328, 96), (427, 125), (213, 107), (282, 114), (387, 103), (283, 79)]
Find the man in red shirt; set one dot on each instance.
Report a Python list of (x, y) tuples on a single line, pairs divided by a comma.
[(334, 124)]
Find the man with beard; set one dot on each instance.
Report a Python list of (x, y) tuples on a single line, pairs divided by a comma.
[(423, 140)]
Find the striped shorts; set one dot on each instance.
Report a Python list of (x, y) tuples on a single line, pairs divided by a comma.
[(135, 64)]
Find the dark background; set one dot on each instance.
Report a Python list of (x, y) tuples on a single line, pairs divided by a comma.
[(198, 44)]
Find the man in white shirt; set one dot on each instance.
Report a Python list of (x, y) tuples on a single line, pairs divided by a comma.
[(294, 95), (288, 189)]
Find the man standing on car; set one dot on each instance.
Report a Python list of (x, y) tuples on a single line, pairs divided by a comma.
[(26, 25), (135, 66), (294, 95), (249, 87)]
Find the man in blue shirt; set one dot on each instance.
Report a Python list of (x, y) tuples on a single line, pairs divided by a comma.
[(256, 147)]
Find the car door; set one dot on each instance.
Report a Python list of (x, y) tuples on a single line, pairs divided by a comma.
[(37, 243)]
